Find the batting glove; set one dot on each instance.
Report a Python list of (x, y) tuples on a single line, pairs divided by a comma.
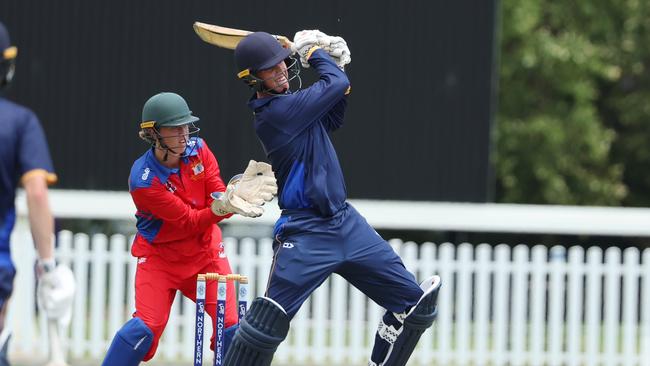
[(305, 40), (339, 51), (55, 292)]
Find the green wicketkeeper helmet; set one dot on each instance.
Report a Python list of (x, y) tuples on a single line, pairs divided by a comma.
[(166, 110)]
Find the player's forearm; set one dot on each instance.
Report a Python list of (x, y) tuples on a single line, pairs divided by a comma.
[(40, 217), (328, 71), (179, 220), (186, 227), (202, 219)]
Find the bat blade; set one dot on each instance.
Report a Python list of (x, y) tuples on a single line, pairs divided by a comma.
[(228, 37), (219, 36), (56, 348)]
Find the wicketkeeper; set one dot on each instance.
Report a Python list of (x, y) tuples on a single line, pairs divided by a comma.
[(319, 233), (172, 186)]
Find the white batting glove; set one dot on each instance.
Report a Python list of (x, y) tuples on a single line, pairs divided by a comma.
[(55, 292), (304, 40), (339, 51), (335, 46)]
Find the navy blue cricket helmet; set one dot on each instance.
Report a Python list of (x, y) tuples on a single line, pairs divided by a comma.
[(261, 51)]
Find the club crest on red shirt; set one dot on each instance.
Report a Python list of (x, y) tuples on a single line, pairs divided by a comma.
[(197, 169)]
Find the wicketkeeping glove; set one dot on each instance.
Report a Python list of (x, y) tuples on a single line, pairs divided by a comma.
[(228, 202), (257, 184), (247, 192)]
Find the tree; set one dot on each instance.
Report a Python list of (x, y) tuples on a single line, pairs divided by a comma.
[(626, 105), (558, 60)]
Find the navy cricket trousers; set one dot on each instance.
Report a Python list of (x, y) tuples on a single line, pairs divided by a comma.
[(308, 248)]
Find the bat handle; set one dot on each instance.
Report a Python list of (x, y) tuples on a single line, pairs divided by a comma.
[(284, 41), (56, 350)]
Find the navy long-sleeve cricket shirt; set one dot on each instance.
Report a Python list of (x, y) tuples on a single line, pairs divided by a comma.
[(293, 129)]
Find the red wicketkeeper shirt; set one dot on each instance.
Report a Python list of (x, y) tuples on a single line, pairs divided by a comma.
[(174, 219)]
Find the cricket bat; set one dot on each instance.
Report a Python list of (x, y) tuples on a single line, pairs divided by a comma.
[(228, 37), (56, 348)]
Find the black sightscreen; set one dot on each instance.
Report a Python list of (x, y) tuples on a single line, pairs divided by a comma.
[(418, 122)]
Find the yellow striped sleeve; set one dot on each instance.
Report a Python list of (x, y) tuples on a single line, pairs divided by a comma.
[(311, 50), (10, 53), (50, 178)]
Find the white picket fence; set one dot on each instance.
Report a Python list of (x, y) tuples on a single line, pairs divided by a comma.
[(498, 305)]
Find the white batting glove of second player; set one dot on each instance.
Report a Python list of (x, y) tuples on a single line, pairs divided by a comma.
[(55, 292)]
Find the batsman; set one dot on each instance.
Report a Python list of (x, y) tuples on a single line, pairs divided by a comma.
[(318, 233)]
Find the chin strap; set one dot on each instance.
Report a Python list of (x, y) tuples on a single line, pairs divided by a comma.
[(167, 150), (257, 84), (8, 69), (152, 136), (163, 146), (273, 92)]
